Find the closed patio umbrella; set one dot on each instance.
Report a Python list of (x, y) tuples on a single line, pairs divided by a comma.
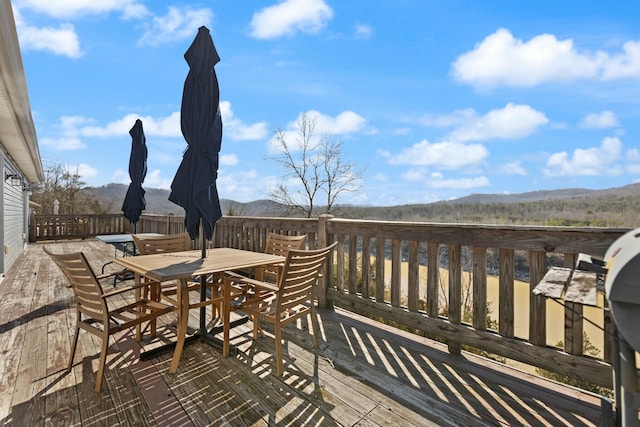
[(194, 185), (134, 202)]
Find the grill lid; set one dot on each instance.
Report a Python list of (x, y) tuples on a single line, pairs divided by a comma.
[(622, 285)]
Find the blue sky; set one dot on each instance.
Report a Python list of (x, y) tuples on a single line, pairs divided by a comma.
[(433, 100)]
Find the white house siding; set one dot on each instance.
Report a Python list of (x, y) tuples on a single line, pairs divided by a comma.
[(15, 220)]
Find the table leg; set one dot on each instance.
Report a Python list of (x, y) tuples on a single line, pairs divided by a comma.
[(226, 316), (183, 320), (138, 293)]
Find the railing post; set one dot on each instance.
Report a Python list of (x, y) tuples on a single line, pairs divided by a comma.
[(32, 228), (537, 304), (323, 282)]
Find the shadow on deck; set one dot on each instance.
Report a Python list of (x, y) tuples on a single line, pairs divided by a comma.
[(363, 373)]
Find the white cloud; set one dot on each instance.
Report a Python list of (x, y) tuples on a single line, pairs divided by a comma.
[(68, 137), (156, 179), (438, 182), (228, 160), (164, 127), (244, 186), (74, 8), (415, 175), (513, 168), (502, 60), (289, 16), (624, 65), (363, 31), (84, 170), (511, 122), (633, 158), (445, 155), (63, 143), (177, 24), (236, 130), (344, 123), (121, 176), (594, 161), (73, 129), (602, 120), (456, 118), (61, 40)]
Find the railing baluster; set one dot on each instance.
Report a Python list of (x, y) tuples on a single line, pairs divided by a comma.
[(366, 265), (353, 264), (380, 255), (573, 324), (455, 293), (340, 263), (396, 272), (479, 288), (433, 278), (506, 293), (413, 285), (538, 304)]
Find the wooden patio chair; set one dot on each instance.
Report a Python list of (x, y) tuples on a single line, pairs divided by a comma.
[(148, 245), (288, 300), (277, 244), (102, 313)]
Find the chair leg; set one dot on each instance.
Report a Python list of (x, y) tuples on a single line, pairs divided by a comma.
[(278, 334), (139, 294), (103, 360), (256, 326), (314, 327), (74, 345), (155, 296)]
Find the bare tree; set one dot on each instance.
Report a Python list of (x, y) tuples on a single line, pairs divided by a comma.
[(311, 164), (62, 184), (340, 177)]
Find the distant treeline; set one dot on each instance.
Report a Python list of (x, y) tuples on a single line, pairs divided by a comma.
[(604, 211), (616, 207)]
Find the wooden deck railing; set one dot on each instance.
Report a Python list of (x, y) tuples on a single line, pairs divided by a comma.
[(475, 264), (65, 227)]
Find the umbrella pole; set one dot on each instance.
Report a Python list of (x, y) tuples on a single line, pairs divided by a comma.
[(203, 284)]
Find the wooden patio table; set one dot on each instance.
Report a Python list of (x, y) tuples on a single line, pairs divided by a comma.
[(183, 265)]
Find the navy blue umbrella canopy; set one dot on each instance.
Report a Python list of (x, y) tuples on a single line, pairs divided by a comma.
[(134, 202), (194, 186)]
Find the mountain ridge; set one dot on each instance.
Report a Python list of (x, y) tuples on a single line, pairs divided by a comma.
[(617, 206)]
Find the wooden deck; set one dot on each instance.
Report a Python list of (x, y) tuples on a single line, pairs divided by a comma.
[(364, 374)]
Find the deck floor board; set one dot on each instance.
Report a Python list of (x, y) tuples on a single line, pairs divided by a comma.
[(363, 374)]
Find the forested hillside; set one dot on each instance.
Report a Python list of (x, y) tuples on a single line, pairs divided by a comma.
[(615, 207)]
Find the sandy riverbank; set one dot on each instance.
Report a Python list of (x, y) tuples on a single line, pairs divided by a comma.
[(522, 292)]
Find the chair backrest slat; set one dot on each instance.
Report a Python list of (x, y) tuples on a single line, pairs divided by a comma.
[(86, 286), (280, 244), (300, 274), (147, 245)]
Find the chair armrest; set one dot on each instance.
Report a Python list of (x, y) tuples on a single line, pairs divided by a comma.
[(123, 289), (253, 282), (115, 273)]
